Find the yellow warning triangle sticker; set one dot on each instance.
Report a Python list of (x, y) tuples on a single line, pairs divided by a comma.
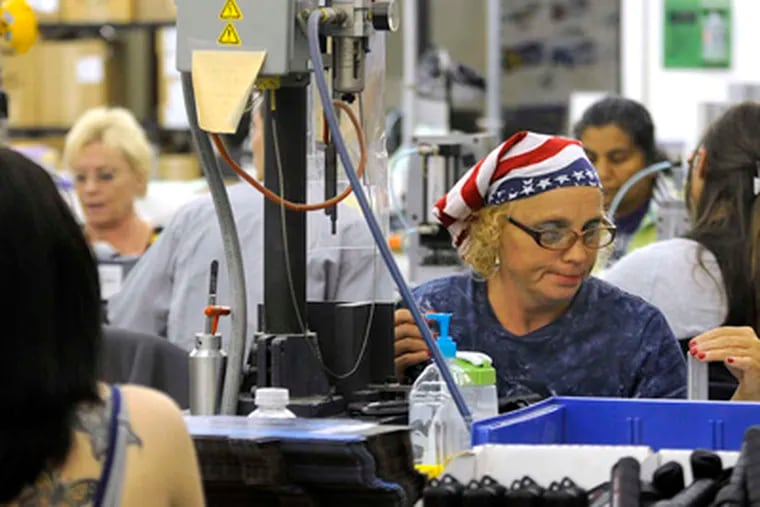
[(229, 36), (231, 11)]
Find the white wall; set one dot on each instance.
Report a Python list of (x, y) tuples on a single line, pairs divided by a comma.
[(673, 95)]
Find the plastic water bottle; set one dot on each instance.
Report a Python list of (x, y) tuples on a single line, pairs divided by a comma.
[(437, 428), (272, 403)]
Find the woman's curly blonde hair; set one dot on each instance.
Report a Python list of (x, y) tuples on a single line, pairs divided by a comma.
[(485, 239)]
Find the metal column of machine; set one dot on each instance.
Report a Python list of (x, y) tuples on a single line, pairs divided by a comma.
[(285, 230), (284, 326), (285, 304)]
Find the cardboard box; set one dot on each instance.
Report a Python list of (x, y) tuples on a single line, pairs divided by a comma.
[(46, 11), (155, 11), (21, 78), (74, 79), (96, 11), (178, 166)]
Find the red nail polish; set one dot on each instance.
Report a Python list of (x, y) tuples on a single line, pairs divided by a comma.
[(730, 360), (692, 344), (693, 352), (702, 355)]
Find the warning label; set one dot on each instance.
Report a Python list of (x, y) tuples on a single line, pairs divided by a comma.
[(231, 11), (229, 36)]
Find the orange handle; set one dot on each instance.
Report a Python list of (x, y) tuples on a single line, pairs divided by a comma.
[(215, 312)]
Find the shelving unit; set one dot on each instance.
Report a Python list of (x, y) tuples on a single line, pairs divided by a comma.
[(53, 29), (128, 74), (128, 42)]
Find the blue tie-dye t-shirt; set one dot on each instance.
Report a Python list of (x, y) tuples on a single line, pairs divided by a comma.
[(608, 343)]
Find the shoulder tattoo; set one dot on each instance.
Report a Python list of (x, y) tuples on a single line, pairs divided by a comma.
[(51, 490), (94, 421)]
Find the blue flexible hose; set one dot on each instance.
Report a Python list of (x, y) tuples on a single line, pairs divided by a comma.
[(316, 58)]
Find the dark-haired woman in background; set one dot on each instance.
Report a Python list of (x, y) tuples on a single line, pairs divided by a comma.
[(64, 436), (619, 138), (711, 277)]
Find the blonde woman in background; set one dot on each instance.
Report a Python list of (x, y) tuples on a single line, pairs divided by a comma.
[(110, 158)]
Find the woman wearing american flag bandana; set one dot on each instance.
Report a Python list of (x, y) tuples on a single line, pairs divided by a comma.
[(529, 220)]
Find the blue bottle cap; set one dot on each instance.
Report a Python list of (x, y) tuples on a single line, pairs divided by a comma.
[(447, 346)]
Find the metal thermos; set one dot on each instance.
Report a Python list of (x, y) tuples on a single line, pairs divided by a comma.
[(207, 364)]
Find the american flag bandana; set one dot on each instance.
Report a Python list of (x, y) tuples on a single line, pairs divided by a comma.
[(524, 165)]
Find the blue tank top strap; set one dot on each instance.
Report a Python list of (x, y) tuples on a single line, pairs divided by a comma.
[(113, 430)]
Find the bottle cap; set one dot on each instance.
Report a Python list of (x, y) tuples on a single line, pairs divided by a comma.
[(447, 346), (272, 396)]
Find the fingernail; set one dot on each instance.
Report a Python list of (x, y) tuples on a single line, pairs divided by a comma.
[(693, 352), (692, 344), (428, 354), (730, 360), (702, 355)]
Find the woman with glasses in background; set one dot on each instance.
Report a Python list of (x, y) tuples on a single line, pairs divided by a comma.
[(529, 220), (711, 277), (110, 159)]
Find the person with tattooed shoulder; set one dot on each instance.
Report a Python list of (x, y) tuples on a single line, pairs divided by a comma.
[(65, 438)]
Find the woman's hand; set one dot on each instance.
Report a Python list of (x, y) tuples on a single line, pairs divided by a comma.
[(409, 348), (739, 349)]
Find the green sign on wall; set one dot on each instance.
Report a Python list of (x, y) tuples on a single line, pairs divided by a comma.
[(697, 33)]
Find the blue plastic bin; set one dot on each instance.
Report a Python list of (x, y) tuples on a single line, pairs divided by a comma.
[(660, 424)]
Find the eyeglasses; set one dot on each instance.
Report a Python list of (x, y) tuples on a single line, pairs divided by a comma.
[(100, 176), (562, 239)]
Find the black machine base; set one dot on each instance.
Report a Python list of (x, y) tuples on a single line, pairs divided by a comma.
[(343, 367)]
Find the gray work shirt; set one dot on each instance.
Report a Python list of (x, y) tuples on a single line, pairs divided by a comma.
[(166, 292), (668, 275)]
